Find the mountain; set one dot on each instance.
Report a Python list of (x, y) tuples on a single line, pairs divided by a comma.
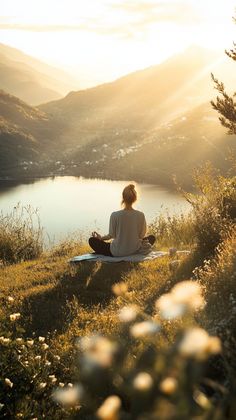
[(27, 135), (122, 111), (17, 143), (30, 79), (29, 147), (145, 126), (176, 147)]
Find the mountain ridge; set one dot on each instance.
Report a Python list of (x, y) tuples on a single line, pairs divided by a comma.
[(105, 131), (30, 79)]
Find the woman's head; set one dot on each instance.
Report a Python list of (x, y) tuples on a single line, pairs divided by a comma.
[(129, 195)]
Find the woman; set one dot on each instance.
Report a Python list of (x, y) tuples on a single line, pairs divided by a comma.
[(127, 228)]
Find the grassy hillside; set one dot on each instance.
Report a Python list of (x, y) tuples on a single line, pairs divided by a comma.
[(64, 303), (126, 340)]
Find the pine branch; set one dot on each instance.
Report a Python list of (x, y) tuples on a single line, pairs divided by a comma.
[(232, 53)]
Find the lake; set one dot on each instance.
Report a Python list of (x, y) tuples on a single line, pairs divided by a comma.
[(69, 204)]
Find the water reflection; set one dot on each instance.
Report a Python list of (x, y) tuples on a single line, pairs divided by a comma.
[(67, 204)]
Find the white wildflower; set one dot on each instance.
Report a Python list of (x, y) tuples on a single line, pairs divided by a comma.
[(47, 363), (143, 381), (14, 317), (169, 309), (143, 329), (42, 385), (8, 382), (37, 357), (98, 350), (30, 342), (52, 378), (128, 313), (61, 384), (168, 385), (198, 344), (68, 396), (10, 299), (70, 385), (110, 408), (184, 296), (45, 346), (41, 339), (4, 340), (19, 340), (56, 357), (188, 293), (214, 345), (1, 406)]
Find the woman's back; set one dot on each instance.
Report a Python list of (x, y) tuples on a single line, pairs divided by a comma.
[(127, 227)]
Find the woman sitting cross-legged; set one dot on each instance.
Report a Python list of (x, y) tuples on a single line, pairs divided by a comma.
[(127, 228)]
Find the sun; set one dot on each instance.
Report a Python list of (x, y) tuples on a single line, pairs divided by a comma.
[(101, 40)]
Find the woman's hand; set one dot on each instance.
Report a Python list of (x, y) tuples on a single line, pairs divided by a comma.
[(96, 235)]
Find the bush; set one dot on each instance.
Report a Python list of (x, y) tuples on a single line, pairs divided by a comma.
[(218, 277), (68, 246), (213, 209), (21, 236), (175, 230)]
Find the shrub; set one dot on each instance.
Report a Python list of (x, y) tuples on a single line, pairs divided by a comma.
[(213, 209), (21, 236), (173, 230), (68, 246), (218, 277)]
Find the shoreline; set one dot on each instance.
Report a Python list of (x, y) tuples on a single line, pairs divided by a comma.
[(34, 178)]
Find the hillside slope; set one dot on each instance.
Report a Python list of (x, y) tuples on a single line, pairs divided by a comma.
[(162, 113), (138, 101), (175, 148), (30, 79), (25, 133)]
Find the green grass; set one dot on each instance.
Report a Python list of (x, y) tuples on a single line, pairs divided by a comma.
[(64, 302)]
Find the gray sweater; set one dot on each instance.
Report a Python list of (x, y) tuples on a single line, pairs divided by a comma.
[(128, 228)]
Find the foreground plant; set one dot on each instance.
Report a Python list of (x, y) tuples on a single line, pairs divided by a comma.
[(140, 374), (21, 235), (143, 373)]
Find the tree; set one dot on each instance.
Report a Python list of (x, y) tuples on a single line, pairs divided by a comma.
[(225, 104)]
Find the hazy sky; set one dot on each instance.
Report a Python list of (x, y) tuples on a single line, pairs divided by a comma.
[(99, 40)]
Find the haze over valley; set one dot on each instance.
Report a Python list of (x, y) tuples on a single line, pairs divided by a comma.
[(162, 112)]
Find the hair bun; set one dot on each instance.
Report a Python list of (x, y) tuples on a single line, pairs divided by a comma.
[(132, 186)]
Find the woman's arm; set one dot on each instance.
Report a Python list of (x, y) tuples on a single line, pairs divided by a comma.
[(111, 233), (143, 228), (106, 237), (112, 227), (103, 238)]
